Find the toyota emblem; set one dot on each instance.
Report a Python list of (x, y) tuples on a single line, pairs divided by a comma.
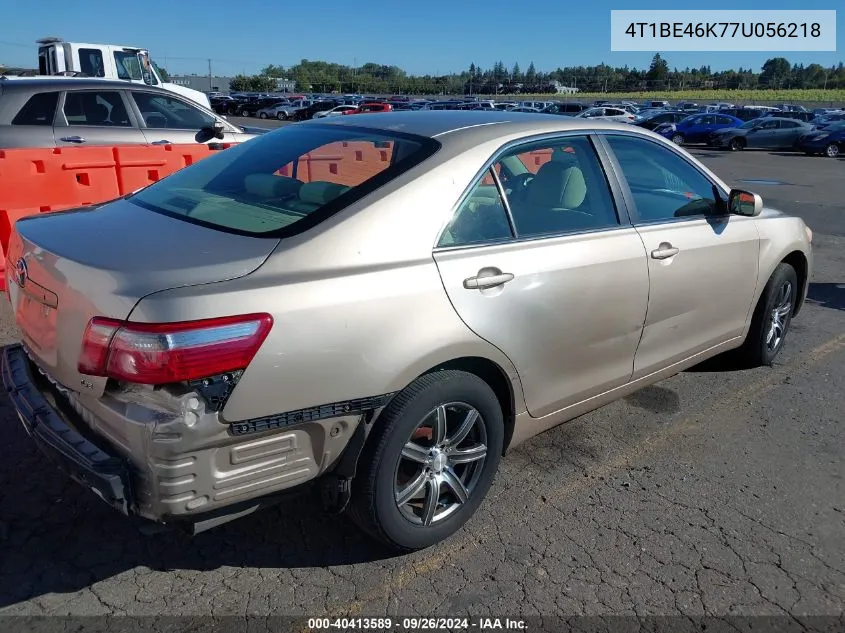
[(20, 272)]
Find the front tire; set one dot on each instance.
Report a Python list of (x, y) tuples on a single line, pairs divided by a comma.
[(832, 150), (281, 116), (429, 461), (736, 144), (678, 139), (772, 318)]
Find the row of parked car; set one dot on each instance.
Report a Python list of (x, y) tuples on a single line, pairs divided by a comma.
[(725, 125), (294, 108)]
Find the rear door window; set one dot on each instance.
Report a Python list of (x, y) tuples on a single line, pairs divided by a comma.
[(39, 110), (282, 183), (96, 107)]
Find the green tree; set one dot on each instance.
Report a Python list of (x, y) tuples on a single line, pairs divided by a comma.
[(775, 72), (658, 70), (239, 83), (516, 73), (531, 74), (274, 71)]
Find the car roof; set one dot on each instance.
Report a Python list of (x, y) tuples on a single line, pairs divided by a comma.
[(469, 127), (71, 83)]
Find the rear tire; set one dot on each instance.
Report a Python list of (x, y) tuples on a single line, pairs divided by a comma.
[(678, 139), (281, 116), (772, 317), (832, 150), (391, 463)]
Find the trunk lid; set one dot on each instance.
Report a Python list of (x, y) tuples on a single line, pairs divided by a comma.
[(101, 262)]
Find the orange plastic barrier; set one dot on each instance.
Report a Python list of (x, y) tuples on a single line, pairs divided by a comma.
[(43, 180)]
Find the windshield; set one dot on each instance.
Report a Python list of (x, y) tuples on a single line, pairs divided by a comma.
[(286, 181)]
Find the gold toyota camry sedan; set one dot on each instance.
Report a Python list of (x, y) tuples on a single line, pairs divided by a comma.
[(380, 305)]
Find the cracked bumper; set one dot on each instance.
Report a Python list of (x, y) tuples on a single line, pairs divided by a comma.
[(154, 465), (104, 474)]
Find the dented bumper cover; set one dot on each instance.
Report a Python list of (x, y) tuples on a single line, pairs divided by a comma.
[(164, 455)]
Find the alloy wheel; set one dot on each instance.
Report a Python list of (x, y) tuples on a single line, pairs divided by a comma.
[(440, 464), (779, 316)]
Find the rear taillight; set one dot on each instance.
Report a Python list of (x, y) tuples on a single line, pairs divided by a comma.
[(160, 353)]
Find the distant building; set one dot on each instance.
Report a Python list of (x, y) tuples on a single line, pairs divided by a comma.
[(221, 84), (285, 85), (201, 83), (564, 90)]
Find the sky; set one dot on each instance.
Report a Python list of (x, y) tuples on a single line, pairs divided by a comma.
[(420, 36)]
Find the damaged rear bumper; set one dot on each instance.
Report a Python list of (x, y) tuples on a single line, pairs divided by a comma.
[(104, 474), (156, 467)]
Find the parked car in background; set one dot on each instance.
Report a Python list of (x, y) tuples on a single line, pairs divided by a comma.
[(335, 111), (766, 132), (268, 348), (371, 107), (798, 115), (59, 112), (829, 141), (696, 128), (310, 111), (687, 106), (568, 109), (606, 114), (270, 112), (743, 114), (653, 119), (525, 109)]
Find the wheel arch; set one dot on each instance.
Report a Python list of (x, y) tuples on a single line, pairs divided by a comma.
[(798, 260), (496, 378)]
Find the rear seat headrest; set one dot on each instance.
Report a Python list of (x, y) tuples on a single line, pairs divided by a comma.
[(320, 192), (271, 186)]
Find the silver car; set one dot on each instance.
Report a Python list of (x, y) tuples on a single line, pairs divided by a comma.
[(72, 111), (382, 305)]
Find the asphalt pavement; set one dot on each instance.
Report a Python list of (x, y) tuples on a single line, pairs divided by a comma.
[(714, 492)]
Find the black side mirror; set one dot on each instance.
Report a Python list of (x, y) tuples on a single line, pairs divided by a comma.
[(745, 203)]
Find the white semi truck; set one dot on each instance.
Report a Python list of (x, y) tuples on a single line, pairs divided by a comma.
[(108, 61)]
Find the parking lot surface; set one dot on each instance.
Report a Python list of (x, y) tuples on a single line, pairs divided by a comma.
[(715, 492)]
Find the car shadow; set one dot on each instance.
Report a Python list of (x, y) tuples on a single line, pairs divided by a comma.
[(57, 537), (827, 295), (792, 154)]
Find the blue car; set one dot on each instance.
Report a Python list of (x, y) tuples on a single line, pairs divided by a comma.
[(829, 142), (698, 127)]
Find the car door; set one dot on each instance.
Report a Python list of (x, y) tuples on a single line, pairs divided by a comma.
[(764, 134), (96, 117), (702, 129), (702, 262), (788, 133), (32, 124), (170, 119), (550, 272)]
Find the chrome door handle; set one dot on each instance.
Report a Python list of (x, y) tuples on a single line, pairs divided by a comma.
[(72, 139), (665, 251), (162, 142), (481, 282)]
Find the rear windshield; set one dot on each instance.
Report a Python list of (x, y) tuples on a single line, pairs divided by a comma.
[(282, 183)]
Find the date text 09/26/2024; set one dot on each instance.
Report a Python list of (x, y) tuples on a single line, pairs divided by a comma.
[(416, 624)]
